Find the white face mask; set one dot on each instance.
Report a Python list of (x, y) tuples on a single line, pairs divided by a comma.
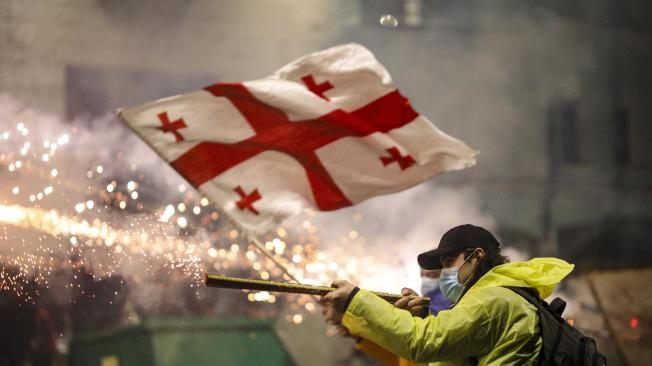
[(429, 285)]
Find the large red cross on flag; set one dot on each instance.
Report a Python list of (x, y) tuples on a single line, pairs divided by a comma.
[(326, 131)]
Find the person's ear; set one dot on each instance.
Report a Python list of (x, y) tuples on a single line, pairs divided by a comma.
[(480, 254)]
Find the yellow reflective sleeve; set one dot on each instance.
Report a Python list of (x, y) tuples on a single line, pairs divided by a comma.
[(462, 332)]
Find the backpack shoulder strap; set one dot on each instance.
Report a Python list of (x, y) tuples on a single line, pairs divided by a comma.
[(528, 293), (532, 296)]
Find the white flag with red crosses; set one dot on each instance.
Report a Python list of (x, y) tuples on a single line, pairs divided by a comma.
[(326, 131)]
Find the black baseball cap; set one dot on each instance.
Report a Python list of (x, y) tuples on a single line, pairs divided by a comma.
[(455, 240)]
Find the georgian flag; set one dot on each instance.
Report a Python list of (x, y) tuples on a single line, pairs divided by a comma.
[(326, 131)]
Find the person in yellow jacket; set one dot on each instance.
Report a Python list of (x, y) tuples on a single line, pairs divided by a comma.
[(438, 302), (488, 324)]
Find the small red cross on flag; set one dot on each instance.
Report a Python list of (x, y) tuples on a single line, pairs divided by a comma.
[(173, 127), (395, 156), (246, 201), (266, 149), (315, 88)]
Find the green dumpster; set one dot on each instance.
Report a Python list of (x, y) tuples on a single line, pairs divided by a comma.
[(173, 342)]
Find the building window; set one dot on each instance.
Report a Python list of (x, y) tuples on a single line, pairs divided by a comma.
[(563, 132)]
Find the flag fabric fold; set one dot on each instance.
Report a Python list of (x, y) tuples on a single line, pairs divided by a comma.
[(326, 131)]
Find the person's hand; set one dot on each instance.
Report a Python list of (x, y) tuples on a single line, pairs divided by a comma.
[(416, 306), (337, 298), (335, 319), (335, 301), (331, 315)]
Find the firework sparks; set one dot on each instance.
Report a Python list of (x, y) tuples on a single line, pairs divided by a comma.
[(104, 215)]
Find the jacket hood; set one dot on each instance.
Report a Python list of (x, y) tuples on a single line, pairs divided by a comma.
[(543, 274)]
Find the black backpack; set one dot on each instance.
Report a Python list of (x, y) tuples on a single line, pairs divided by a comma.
[(562, 344)]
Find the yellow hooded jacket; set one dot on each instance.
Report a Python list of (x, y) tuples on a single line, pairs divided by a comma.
[(490, 323)]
